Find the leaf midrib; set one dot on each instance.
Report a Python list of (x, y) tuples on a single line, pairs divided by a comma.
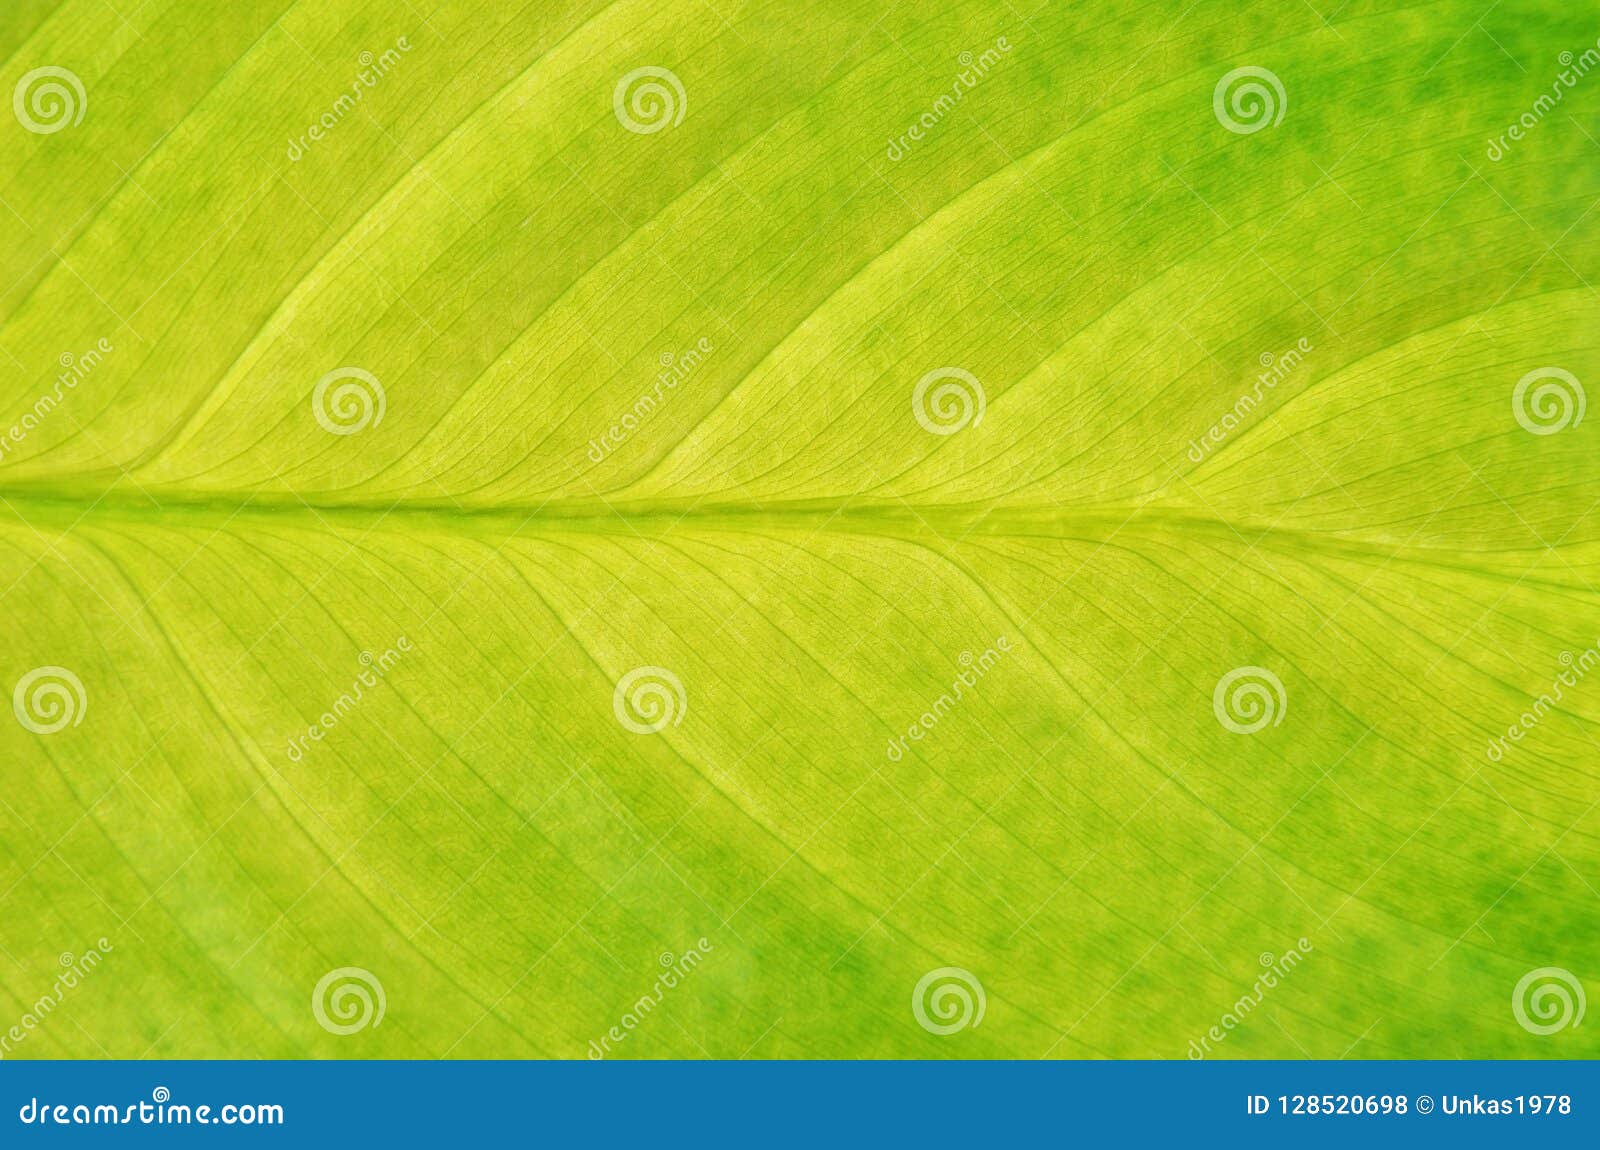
[(949, 523)]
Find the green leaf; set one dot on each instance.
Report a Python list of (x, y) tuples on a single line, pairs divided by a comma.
[(798, 532)]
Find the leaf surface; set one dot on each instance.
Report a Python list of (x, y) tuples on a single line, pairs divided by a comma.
[(648, 400)]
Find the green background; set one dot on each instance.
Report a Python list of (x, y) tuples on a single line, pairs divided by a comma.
[(1080, 233)]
